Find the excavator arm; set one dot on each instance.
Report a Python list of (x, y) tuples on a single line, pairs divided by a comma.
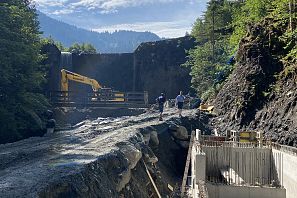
[(68, 75)]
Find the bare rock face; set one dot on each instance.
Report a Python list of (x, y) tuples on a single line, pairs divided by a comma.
[(131, 153), (150, 136), (261, 92), (181, 133), (154, 139), (124, 179)]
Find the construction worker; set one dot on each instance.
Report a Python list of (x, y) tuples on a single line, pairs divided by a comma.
[(179, 102), (161, 100)]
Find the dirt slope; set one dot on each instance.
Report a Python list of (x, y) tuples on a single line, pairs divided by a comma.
[(261, 92), (102, 158)]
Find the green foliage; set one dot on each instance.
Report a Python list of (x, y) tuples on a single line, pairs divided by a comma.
[(246, 14), (21, 75), (85, 48), (205, 70), (208, 61), (224, 24), (59, 45)]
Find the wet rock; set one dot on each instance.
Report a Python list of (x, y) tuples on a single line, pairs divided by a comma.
[(124, 179), (132, 154), (181, 133), (146, 138), (184, 144), (149, 156), (173, 127), (154, 138)]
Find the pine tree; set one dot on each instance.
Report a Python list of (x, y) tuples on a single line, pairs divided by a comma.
[(21, 75)]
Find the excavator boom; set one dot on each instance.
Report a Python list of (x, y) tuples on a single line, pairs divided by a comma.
[(68, 75)]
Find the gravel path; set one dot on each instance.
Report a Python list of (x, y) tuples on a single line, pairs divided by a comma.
[(28, 166)]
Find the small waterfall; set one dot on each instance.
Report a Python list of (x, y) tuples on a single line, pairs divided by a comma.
[(66, 61)]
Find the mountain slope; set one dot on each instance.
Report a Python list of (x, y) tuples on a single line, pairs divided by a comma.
[(117, 42), (261, 93)]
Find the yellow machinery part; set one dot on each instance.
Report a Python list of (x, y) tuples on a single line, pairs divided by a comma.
[(247, 136), (205, 107), (68, 75)]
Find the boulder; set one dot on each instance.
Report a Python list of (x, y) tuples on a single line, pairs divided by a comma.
[(154, 138), (132, 154), (124, 179), (181, 133)]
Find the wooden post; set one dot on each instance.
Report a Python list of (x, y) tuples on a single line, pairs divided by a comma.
[(152, 181)]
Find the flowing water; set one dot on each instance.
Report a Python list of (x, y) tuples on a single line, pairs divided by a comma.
[(66, 61)]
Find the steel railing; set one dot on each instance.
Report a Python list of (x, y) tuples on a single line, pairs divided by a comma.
[(100, 97)]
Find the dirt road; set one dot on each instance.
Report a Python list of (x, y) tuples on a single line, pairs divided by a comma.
[(27, 167)]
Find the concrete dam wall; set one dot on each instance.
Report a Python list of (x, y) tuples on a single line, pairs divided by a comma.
[(153, 67)]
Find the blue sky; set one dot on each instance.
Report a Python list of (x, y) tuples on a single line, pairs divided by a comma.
[(166, 18)]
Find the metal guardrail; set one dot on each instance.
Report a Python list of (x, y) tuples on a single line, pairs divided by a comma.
[(283, 148), (100, 98), (229, 144)]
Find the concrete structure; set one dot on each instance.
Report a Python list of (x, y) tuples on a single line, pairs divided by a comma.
[(154, 67), (227, 169), (226, 191), (288, 162)]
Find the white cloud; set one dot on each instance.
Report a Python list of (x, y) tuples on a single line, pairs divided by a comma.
[(62, 12), (50, 3), (162, 29), (86, 13), (105, 6)]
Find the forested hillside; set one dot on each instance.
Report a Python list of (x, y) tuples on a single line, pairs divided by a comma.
[(220, 31), (116, 42), (256, 90), (22, 76)]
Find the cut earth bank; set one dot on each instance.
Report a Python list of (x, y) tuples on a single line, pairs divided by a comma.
[(101, 158)]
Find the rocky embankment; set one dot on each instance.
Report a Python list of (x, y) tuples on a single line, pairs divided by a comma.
[(102, 158), (261, 93)]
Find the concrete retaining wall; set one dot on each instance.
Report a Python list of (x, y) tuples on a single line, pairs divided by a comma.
[(288, 176), (153, 67), (253, 165), (224, 191)]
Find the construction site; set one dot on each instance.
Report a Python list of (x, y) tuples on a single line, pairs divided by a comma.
[(240, 165), (108, 141), (211, 114)]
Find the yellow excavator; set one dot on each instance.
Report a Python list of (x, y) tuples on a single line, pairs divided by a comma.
[(68, 75)]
